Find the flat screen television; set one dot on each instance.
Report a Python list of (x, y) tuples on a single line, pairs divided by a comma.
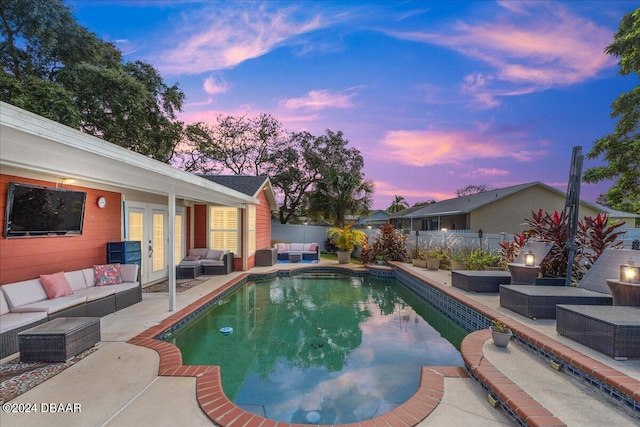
[(33, 210)]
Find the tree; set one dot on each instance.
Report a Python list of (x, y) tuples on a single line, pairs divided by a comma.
[(424, 203), (399, 203), (56, 68), (621, 148), (472, 189)]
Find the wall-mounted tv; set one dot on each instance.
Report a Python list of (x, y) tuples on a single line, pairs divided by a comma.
[(33, 210)]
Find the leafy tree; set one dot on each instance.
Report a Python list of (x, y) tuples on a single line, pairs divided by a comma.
[(472, 189), (621, 148), (399, 203), (424, 203), (56, 68)]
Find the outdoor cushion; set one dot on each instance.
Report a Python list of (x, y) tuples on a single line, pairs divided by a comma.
[(202, 252), (125, 286), (96, 292), (76, 280), (89, 277), (297, 247), (215, 254), (4, 307), (108, 274), (51, 305), (23, 293), (185, 263), (17, 320), (282, 247), (129, 273), (56, 285), (211, 262), (192, 258)]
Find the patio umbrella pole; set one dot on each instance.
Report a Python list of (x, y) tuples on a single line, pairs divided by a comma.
[(571, 208)]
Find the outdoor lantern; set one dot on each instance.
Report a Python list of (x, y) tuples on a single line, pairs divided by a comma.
[(629, 273), (529, 259)]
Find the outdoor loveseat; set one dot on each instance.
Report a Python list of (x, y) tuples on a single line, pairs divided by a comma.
[(305, 251), (80, 293), (205, 261)]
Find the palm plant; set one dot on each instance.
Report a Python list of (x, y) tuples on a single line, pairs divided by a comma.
[(399, 203), (338, 195)]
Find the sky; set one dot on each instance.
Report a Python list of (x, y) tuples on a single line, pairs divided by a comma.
[(436, 95)]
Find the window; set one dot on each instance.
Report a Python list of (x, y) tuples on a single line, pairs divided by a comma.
[(178, 239), (223, 229), (251, 212)]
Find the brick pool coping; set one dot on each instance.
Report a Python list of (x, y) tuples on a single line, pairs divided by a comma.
[(223, 412)]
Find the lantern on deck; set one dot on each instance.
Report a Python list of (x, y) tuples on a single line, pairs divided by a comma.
[(629, 273), (529, 259)]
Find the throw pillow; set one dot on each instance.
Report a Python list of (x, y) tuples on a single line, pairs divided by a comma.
[(108, 274), (56, 285), (192, 258)]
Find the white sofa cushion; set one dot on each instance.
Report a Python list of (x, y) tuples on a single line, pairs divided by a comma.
[(4, 307), (129, 273), (89, 277), (76, 280), (51, 305), (215, 254), (96, 292), (125, 286), (202, 252), (17, 320), (297, 247), (23, 293)]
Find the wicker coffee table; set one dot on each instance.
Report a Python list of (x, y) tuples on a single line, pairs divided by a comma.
[(59, 340)]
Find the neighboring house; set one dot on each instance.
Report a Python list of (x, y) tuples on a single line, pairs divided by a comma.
[(258, 217), (496, 211), (167, 209), (375, 219)]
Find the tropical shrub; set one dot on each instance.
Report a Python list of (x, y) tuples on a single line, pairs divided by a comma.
[(347, 238), (389, 245), (596, 234), (510, 250), (478, 259)]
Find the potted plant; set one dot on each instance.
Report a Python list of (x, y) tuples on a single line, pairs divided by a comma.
[(500, 333), (459, 256), (436, 256), (346, 239)]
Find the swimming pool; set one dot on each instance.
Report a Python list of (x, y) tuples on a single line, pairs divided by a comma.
[(321, 349)]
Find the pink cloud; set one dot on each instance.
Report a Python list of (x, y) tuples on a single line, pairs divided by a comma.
[(482, 172), (319, 100), (384, 188), (531, 47), (445, 147), (214, 85), (218, 38)]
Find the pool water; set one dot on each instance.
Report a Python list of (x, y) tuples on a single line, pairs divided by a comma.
[(320, 349)]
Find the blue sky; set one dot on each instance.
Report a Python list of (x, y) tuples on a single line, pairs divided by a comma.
[(436, 95)]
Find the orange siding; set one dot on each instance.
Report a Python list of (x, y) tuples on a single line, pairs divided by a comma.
[(263, 223), (28, 257)]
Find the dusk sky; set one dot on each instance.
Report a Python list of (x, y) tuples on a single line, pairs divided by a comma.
[(435, 95)]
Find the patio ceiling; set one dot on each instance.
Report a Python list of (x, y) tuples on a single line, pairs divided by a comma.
[(33, 143)]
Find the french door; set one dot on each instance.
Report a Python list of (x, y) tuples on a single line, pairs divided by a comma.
[(148, 224)]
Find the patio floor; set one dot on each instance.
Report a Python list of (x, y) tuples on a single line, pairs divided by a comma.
[(118, 385)]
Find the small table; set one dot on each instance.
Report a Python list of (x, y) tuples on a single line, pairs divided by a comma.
[(523, 274), (59, 340), (266, 257), (295, 256)]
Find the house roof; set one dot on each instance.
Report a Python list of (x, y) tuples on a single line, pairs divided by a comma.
[(466, 204), (405, 212), (39, 145), (249, 185)]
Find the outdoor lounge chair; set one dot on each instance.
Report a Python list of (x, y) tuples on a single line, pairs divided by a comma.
[(540, 301), (490, 281)]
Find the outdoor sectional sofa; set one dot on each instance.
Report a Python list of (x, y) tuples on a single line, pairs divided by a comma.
[(307, 251), (26, 304), (205, 261)]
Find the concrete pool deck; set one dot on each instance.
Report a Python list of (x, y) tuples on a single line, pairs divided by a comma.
[(119, 385)]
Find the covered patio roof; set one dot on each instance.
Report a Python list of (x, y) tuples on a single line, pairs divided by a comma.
[(31, 142)]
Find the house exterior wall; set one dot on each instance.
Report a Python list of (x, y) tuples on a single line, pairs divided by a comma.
[(200, 230), (508, 214), (28, 257), (263, 227)]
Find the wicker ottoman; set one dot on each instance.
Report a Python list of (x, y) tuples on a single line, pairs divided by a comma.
[(59, 340), (612, 330), (266, 257)]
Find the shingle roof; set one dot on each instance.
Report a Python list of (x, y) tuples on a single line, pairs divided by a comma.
[(249, 185), (465, 204), (405, 212)]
